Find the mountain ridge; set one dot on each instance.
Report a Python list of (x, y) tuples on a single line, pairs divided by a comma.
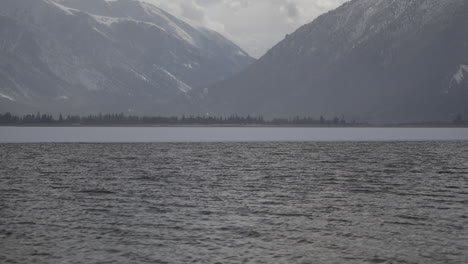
[(370, 60), (70, 60)]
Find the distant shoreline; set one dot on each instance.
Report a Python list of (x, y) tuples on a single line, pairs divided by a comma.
[(122, 120), (242, 126)]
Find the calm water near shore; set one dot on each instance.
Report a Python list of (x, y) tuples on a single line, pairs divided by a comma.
[(263, 202), (224, 134)]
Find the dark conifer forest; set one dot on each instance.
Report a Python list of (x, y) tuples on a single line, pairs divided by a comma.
[(131, 120)]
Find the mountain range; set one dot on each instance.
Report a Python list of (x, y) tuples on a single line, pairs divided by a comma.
[(368, 60), (373, 60), (88, 56)]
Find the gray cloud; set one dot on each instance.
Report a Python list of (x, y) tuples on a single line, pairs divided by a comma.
[(292, 10), (192, 11)]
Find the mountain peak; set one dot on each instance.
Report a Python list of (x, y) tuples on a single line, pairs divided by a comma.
[(384, 60), (106, 56)]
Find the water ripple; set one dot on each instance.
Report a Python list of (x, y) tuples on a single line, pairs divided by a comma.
[(341, 202)]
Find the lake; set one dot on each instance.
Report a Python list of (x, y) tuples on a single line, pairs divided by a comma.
[(233, 202), (224, 134)]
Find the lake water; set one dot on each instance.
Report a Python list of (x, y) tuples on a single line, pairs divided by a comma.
[(224, 134), (262, 202)]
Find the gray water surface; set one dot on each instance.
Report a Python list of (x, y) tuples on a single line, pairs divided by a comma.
[(234, 203), (224, 134)]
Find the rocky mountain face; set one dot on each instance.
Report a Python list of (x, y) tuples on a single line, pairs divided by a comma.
[(78, 56), (374, 60)]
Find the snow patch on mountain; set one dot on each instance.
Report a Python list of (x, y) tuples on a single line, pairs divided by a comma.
[(67, 10), (140, 76), (191, 65), (174, 27), (7, 97), (108, 21), (63, 97), (460, 75), (182, 86)]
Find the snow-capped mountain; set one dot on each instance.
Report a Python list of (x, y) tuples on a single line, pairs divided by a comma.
[(380, 60), (81, 56)]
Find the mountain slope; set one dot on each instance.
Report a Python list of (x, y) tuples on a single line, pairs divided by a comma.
[(130, 56), (380, 60)]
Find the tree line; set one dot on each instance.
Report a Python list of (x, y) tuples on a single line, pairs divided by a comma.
[(459, 120), (123, 119)]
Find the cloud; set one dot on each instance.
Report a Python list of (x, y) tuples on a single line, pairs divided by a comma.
[(291, 10), (255, 25), (192, 12)]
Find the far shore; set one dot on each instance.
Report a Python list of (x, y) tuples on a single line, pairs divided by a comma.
[(430, 125)]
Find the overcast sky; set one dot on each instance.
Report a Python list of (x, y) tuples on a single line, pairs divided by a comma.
[(255, 25)]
